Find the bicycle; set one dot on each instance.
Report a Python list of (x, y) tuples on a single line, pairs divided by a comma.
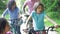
[(52, 29), (20, 20), (23, 27), (24, 22), (49, 30), (15, 24)]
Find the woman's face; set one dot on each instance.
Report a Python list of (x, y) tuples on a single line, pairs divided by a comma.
[(39, 9)]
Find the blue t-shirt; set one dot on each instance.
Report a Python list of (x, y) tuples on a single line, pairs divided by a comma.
[(13, 14), (38, 20)]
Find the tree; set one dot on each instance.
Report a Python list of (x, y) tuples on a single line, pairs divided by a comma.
[(3, 4), (52, 8)]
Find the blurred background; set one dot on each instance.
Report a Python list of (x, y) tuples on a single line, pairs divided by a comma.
[(52, 9)]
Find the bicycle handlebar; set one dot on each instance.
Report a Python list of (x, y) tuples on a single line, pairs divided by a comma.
[(53, 27)]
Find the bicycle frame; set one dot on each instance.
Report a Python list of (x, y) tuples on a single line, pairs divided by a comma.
[(51, 31)]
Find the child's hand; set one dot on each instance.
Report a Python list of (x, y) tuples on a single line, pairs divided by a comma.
[(56, 26), (25, 30)]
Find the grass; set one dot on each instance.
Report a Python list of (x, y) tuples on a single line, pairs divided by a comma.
[(47, 23), (57, 20)]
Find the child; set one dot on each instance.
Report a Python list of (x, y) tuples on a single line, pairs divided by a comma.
[(4, 26), (38, 18), (13, 11), (30, 4)]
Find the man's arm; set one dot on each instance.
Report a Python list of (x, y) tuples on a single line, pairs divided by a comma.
[(23, 8)]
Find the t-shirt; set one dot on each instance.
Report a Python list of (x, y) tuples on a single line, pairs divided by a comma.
[(13, 14), (30, 5), (38, 20), (8, 32)]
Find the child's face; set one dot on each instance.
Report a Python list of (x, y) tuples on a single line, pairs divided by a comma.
[(13, 6), (39, 9), (7, 28)]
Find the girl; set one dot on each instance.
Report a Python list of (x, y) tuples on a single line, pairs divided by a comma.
[(13, 11), (4, 26), (38, 18)]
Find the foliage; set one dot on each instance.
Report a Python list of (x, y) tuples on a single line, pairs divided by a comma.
[(52, 8), (3, 4)]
